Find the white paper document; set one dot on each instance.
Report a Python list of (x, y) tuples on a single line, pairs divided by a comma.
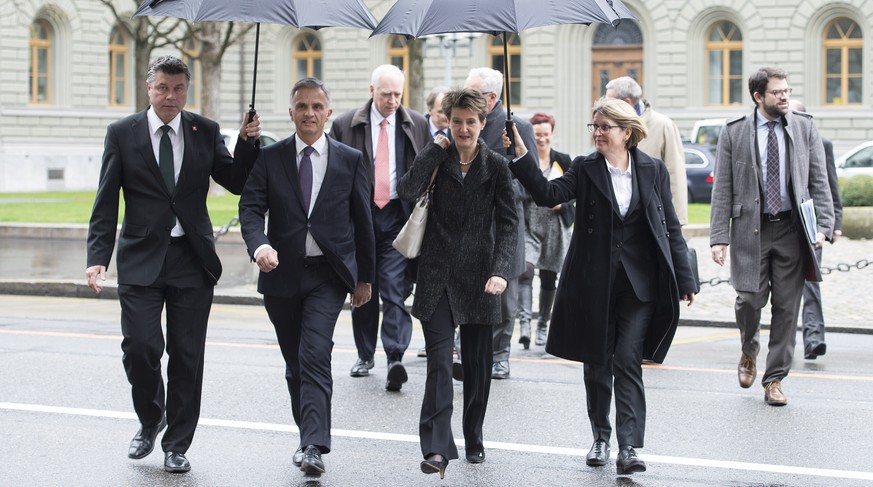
[(807, 216)]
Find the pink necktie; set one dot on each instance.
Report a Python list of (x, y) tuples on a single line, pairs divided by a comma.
[(382, 191)]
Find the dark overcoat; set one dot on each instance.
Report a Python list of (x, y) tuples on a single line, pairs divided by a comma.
[(470, 233), (581, 312)]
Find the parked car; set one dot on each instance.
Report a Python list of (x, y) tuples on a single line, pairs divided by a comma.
[(231, 135), (699, 170), (858, 160), (706, 131)]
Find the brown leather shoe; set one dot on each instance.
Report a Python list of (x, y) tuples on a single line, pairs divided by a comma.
[(746, 371), (773, 394)]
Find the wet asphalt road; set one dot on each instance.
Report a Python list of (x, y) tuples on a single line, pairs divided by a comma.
[(66, 417)]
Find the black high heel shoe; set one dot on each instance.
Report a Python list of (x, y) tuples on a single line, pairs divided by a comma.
[(435, 466)]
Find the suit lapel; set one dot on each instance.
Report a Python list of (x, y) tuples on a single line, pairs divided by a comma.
[(596, 170), (190, 139), (330, 173), (643, 181), (289, 163), (755, 154), (143, 136)]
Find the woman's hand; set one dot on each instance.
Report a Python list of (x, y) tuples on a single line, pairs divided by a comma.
[(495, 285), (442, 141), (688, 297), (520, 149)]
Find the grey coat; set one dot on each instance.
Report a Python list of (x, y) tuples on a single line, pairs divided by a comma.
[(470, 234), (735, 217)]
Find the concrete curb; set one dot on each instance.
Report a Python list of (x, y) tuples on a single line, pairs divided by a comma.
[(70, 289)]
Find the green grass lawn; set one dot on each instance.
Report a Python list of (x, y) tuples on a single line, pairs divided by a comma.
[(75, 207)]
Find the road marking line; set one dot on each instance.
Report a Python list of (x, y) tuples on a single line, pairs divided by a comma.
[(497, 445)]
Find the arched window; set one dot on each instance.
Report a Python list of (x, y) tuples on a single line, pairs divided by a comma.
[(190, 54), (842, 48), (41, 38), (398, 55), (118, 59), (513, 49), (724, 64), (307, 56)]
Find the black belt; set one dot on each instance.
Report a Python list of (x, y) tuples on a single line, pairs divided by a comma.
[(314, 261), (778, 217), (177, 240)]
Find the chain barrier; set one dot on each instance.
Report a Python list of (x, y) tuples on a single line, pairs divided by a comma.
[(825, 270), (226, 228)]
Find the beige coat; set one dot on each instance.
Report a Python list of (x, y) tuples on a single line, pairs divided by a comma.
[(665, 143)]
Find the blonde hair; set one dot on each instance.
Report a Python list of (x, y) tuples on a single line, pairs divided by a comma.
[(624, 116)]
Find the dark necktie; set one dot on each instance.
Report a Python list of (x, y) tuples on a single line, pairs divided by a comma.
[(165, 159), (440, 132), (774, 197), (305, 173)]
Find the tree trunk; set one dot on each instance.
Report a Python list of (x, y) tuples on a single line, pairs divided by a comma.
[(141, 57), (416, 75), (210, 70)]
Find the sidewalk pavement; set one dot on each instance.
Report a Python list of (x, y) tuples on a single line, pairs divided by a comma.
[(50, 260)]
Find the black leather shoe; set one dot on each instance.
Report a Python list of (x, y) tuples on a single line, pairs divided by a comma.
[(628, 462), (598, 455), (812, 352), (312, 463), (396, 377), (297, 458), (476, 456), (175, 462), (362, 367), (144, 441), (500, 370), (457, 370)]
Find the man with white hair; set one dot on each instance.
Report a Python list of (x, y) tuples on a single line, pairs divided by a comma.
[(390, 137), (663, 142), (490, 83)]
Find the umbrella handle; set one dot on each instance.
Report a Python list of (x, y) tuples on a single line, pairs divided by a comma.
[(510, 151), (249, 117)]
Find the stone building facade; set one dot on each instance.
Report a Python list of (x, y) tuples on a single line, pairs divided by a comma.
[(67, 72)]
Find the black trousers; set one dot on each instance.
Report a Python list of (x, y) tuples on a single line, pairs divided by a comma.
[(628, 323), (304, 328), (435, 427), (389, 285), (183, 288)]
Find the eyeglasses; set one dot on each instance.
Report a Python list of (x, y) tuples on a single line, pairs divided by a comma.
[(603, 128), (778, 93)]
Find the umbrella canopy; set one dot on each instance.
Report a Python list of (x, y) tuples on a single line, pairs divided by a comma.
[(416, 18), (313, 14)]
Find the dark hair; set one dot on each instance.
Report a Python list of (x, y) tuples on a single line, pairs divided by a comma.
[(465, 98), (310, 83), (167, 65), (539, 118), (758, 81)]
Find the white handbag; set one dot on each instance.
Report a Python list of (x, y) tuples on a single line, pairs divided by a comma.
[(408, 241)]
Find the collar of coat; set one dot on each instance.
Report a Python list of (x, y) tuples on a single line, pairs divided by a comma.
[(645, 174), (362, 116)]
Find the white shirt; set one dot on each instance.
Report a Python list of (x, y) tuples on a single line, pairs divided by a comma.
[(318, 158), (178, 142), (375, 124), (622, 185), (762, 152)]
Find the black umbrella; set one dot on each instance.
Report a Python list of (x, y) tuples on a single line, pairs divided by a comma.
[(416, 18), (313, 14)]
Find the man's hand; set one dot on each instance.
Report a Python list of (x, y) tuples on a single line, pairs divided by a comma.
[(688, 297), (836, 236), (92, 273), (719, 253), (250, 128), (819, 240), (267, 259), (362, 293)]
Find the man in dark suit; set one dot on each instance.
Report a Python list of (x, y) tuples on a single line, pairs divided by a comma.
[(162, 159), (390, 137), (490, 83), (437, 121), (813, 317), (768, 163), (317, 193)]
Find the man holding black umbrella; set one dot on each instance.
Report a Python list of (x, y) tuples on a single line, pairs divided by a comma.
[(490, 83)]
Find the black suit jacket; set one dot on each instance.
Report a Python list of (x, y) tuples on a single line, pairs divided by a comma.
[(129, 164), (340, 222), (353, 129)]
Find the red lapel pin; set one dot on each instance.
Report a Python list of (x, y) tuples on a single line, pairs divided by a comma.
[(193, 128)]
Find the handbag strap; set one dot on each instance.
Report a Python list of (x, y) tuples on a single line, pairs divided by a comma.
[(432, 180)]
